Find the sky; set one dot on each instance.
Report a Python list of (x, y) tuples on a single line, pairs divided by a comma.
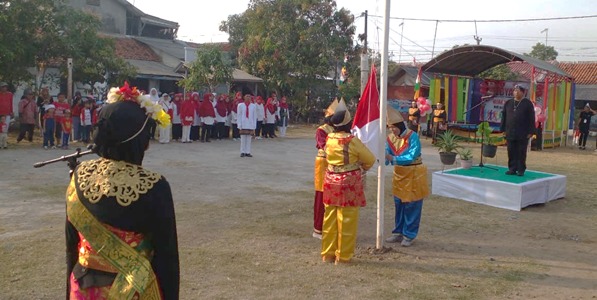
[(574, 39)]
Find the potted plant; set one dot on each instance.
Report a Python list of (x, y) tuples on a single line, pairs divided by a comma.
[(488, 147), (447, 144), (466, 158)]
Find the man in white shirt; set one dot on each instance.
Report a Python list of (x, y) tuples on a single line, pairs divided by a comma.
[(246, 121), (260, 114)]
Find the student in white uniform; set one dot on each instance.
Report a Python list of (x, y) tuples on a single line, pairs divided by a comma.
[(246, 121)]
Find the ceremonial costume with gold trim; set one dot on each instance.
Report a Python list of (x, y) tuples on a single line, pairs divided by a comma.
[(409, 185), (439, 122), (414, 115), (120, 233), (321, 164), (343, 194)]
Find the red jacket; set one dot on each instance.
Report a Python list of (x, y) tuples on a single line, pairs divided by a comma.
[(6, 104)]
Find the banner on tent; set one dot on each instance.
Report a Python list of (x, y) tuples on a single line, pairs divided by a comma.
[(400, 105), (492, 111)]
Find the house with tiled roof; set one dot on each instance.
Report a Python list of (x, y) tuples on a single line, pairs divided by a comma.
[(583, 73), (149, 44), (585, 77)]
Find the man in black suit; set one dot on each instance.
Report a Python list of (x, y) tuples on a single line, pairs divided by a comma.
[(518, 125)]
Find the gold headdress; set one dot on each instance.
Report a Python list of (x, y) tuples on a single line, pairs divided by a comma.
[(341, 108), (394, 116), (330, 110)]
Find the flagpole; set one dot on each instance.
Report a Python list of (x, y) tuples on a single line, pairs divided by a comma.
[(382, 126)]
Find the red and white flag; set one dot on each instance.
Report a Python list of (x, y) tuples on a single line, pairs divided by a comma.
[(366, 119)]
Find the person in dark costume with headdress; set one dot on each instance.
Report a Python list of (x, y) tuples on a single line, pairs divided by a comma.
[(121, 240)]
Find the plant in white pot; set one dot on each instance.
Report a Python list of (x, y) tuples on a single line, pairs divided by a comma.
[(466, 158), (447, 144)]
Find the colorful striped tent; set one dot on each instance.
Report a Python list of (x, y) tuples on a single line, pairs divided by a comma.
[(455, 86)]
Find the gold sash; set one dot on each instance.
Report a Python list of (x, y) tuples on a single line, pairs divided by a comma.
[(343, 168), (135, 274)]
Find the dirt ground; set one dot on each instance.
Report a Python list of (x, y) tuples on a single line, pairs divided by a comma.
[(244, 229)]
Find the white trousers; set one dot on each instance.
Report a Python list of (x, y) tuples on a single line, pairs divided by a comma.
[(165, 133), (245, 143), (186, 134), (282, 131)]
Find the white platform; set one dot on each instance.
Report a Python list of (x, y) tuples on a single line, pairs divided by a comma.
[(513, 196)]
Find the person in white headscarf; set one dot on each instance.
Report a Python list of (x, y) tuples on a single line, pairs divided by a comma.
[(155, 97), (167, 106)]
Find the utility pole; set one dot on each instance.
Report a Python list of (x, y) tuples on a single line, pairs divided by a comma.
[(545, 48), (364, 58), (69, 81), (434, 36), (476, 36), (401, 35)]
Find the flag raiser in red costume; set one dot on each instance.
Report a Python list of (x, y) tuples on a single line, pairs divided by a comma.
[(366, 119)]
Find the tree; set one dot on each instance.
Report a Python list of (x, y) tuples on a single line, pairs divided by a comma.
[(543, 52), (44, 33), (499, 72), (291, 44), (209, 69)]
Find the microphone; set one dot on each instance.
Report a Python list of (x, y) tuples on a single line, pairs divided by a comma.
[(485, 97)]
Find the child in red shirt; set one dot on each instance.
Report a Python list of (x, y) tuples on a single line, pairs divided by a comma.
[(66, 125)]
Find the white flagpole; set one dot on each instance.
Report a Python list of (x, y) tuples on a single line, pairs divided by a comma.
[(383, 100)]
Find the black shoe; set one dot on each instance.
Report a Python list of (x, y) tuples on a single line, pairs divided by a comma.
[(242, 155), (510, 172), (248, 155), (520, 173)]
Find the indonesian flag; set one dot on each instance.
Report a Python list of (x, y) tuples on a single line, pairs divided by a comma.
[(418, 84), (366, 119)]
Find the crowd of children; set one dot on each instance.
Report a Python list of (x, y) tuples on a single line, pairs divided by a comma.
[(57, 121), (194, 118), (215, 117)]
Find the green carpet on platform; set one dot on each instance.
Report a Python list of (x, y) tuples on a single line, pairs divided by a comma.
[(500, 174)]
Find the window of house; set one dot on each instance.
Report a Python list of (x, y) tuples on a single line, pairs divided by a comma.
[(93, 2)]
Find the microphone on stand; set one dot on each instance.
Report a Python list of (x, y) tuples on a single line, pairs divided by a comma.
[(486, 97)]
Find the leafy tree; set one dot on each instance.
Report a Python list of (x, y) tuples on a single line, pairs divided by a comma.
[(209, 69), (291, 44), (543, 52), (499, 72), (44, 33)]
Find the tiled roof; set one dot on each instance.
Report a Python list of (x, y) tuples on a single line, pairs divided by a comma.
[(523, 69), (129, 48), (584, 72)]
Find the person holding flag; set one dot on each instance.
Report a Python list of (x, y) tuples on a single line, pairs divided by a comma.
[(343, 191), (366, 119), (321, 137), (409, 185)]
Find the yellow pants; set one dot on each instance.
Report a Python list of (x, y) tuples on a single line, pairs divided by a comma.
[(339, 232)]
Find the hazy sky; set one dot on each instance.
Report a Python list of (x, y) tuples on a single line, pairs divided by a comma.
[(574, 39)]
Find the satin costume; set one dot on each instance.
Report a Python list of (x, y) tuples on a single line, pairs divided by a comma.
[(343, 194), (409, 184)]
